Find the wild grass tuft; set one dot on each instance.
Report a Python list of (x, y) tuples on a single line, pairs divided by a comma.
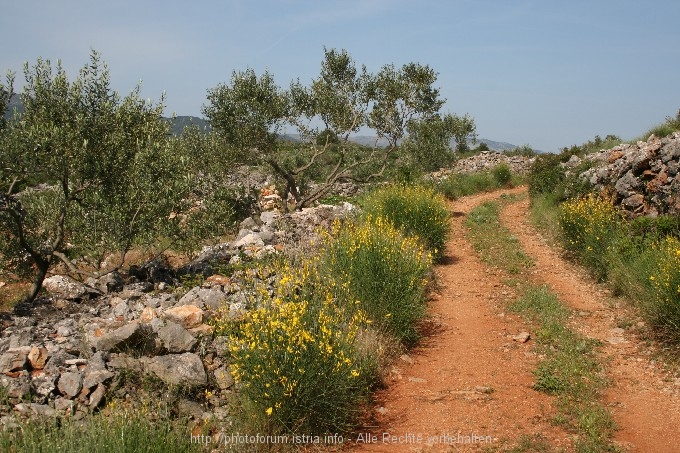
[(121, 431)]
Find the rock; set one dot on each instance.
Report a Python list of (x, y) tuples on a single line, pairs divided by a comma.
[(204, 297), (42, 410), (64, 405), (269, 217), (13, 360), (70, 384), (147, 315), (177, 369), (108, 283), (65, 287), (133, 335), (176, 338), (44, 385), (522, 337), (188, 316), (97, 396), (251, 239), (96, 377), (223, 377)]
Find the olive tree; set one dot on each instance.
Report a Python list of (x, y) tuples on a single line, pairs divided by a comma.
[(84, 173), (251, 112)]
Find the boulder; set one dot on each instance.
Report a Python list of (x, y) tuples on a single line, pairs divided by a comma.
[(134, 335), (65, 287), (176, 338), (177, 369), (188, 316)]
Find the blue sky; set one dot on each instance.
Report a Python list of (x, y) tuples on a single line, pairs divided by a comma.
[(549, 73)]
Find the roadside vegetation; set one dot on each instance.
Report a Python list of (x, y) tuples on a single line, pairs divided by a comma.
[(638, 258)]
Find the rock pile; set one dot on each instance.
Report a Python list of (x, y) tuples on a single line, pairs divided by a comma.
[(644, 176), (70, 351), (486, 160)]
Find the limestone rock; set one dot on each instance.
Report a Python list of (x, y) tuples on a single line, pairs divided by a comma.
[(177, 369), (188, 316), (65, 287)]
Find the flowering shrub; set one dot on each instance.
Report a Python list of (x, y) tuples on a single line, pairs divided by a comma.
[(665, 281), (589, 225), (296, 357), (383, 270), (416, 210)]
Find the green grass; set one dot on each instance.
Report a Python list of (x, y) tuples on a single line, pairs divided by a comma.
[(495, 244), (121, 432), (459, 185)]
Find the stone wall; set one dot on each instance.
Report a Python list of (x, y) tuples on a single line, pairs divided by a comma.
[(643, 176)]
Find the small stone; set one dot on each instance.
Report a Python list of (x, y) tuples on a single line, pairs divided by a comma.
[(38, 357), (224, 378), (618, 331), (483, 389), (13, 361), (522, 337), (62, 405), (44, 385), (176, 338), (148, 313), (96, 377), (75, 362), (188, 316), (70, 384), (416, 379), (97, 396), (178, 369)]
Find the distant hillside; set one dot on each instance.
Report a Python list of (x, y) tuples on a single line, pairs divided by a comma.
[(178, 124)]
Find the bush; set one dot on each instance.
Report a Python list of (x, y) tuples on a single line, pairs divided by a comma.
[(296, 356), (664, 309), (383, 270), (502, 174), (416, 210), (590, 225), (546, 175)]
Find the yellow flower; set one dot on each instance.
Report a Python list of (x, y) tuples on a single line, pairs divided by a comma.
[(269, 411)]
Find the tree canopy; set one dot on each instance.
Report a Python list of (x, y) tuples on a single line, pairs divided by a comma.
[(401, 106)]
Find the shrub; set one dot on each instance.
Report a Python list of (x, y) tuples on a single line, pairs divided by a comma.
[(546, 174), (502, 174), (296, 356), (589, 226), (416, 210), (665, 280), (383, 270)]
